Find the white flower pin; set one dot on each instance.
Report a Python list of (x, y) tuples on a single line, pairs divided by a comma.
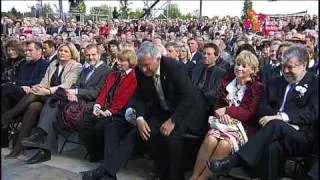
[(301, 89)]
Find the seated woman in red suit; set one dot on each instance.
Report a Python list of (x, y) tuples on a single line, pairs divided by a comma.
[(110, 104), (236, 105)]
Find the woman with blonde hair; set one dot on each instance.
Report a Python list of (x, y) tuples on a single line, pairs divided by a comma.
[(238, 100), (62, 72), (185, 54)]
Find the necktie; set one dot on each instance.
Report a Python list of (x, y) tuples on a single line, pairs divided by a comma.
[(290, 93), (87, 71), (202, 80), (55, 77)]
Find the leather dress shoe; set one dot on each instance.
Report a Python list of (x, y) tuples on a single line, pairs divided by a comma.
[(95, 174), (41, 156), (35, 140), (219, 167)]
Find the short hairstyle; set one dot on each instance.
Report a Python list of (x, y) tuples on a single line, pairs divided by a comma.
[(50, 43), (248, 58), (75, 55), (16, 45), (100, 40), (311, 51), (298, 51), (150, 48), (213, 46), (247, 47), (283, 45), (173, 44), (37, 44), (128, 55), (93, 46)]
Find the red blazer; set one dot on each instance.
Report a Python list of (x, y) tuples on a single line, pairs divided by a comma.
[(122, 94), (245, 112)]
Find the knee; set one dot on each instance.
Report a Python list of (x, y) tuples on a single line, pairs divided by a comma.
[(210, 141), (224, 145), (34, 107)]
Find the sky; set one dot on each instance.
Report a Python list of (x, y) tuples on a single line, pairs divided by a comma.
[(209, 7)]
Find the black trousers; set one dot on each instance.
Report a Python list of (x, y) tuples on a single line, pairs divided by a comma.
[(166, 151), (268, 149), (119, 140), (91, 133), (10, 96)]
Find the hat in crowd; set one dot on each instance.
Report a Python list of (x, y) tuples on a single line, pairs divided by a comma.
[(114, 42), (297, 38)]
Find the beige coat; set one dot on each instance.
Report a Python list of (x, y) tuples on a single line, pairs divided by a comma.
[(69, 75)]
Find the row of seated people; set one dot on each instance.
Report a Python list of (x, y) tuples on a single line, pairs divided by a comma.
[(169, 104)]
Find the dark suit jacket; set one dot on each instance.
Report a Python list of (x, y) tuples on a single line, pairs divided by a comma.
[(268, 73), (122, 94), (63, 30), (197, 57), (89, 90), (302, 111), (245, 112), (186, 104), (214, 82)]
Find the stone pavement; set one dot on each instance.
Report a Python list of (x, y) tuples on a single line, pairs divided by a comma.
[(64, 167)]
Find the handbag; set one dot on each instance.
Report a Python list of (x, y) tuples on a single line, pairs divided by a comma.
[(72, 114)]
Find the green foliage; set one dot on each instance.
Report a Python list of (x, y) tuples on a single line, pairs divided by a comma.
[(102, 10), (47, 10), (136, 14), (173, 12), (82, 7), (124, 8), (247, 5)]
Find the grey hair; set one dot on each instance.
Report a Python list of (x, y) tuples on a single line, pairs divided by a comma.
[(298, 51), (148, 48), (173, 44)]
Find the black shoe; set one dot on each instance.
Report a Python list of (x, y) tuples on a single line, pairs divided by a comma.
[(219, 167), (41, 156), (4, 138), (35, 140), (96, 174)]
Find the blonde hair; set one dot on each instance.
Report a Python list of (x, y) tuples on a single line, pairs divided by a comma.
[(75, 55), (128, 55), (248, 58)]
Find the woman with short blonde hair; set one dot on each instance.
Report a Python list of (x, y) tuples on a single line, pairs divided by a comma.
[(75, 55), (238, 99), (128, 55)]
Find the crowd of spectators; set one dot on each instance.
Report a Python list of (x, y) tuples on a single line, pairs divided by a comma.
[(36, 50)]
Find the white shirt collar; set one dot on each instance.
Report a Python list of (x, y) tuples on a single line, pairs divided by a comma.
[(128, 71)]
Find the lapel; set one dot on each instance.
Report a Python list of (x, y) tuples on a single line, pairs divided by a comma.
[(280, 90), (304, 81), (196, 75), (163, 76), (96, 71)]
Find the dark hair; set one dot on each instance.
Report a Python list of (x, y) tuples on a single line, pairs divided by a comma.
[(247, 47), (93, 46), (213, 46), (50, 43), (15, 44), (37, 44)]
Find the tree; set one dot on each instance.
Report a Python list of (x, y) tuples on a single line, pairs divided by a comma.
[(47, 10), (136, 14), (247, 5), (103, 10), (14, 13), (124, 8), (81, 6), (172, 11)]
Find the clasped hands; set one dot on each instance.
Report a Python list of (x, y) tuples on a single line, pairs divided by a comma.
[(222, 116), (144, 130), (99, 113), (36, 89)]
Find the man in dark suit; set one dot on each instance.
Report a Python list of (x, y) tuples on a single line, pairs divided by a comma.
[(288, 113), (196, 56), (49, 50), (207, 76), (87, 88), (168, 106), (62, 28)]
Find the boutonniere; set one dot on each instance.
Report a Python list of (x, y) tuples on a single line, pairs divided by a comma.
[(301, 90)]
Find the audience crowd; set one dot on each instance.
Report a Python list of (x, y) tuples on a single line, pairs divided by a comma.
[(123, 86)]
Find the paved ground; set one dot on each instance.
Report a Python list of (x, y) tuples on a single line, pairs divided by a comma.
[(64, 167)]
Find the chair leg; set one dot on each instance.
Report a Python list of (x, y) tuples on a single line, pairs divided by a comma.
[(64, 143)]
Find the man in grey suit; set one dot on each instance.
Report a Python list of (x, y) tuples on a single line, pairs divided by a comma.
[(87, 88)]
